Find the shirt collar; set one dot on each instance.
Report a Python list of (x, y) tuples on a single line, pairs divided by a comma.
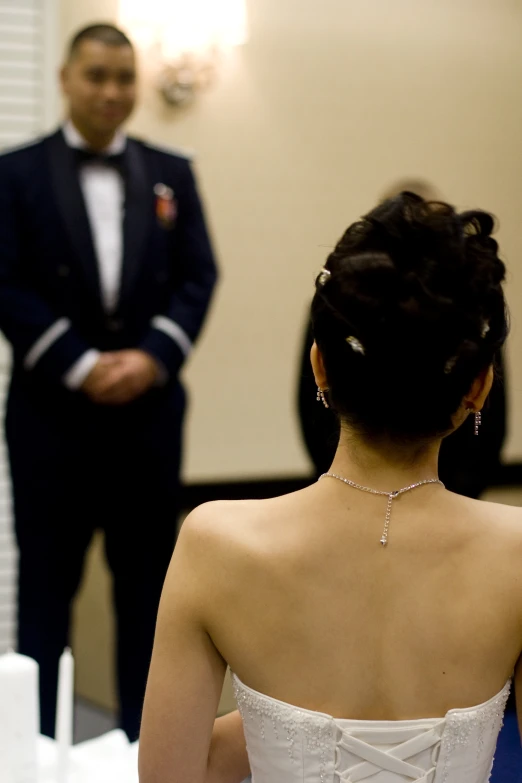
[(74, 139)]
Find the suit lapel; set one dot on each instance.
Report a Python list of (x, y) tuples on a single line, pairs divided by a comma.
[(71, 204), (137, 215)]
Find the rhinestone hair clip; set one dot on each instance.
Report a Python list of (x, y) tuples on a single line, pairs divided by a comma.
[(356, 345), (324, 276), (450, 364), (452, 361)]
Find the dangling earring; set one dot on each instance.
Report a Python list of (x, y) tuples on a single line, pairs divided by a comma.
[(478, 421), (321, 398)]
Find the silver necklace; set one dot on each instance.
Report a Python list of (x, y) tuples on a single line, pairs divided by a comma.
[(390, 495)]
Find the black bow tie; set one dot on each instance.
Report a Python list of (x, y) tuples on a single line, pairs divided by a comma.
[(91, 156)]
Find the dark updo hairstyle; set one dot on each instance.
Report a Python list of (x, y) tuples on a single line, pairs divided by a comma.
[(419, 287)]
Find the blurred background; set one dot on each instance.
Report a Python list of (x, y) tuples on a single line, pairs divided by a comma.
[(298, 132)]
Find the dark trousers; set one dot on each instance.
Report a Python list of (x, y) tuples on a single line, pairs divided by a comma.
[(74, 472)]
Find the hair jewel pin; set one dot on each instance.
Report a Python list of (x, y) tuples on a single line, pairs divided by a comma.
[(356, 345), (324, 275), (450, 364)]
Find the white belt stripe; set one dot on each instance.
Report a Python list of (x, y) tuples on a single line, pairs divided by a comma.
[(48, 338), (174, 331)]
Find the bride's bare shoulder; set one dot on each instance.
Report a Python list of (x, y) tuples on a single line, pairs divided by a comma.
[(238, 523), (495, 526), (221, 513), (501, 516)]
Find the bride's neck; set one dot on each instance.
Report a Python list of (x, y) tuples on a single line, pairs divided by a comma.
[(382, 463)]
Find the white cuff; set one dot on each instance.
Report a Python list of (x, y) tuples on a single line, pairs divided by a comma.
[(174, 331), (75, 375), (48, 338)]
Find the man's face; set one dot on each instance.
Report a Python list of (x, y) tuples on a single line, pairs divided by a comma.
[(100, 84)]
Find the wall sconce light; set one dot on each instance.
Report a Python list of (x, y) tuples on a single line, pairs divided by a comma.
[(182, 40)]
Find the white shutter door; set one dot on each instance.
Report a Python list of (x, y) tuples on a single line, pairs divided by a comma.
[(27, 104)]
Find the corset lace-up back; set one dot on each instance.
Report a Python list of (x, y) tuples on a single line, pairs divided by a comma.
[(288, 744)]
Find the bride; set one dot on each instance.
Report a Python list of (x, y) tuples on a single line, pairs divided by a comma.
[(372, 621)]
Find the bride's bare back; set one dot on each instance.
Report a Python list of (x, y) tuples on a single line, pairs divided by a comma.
[(306, 606)]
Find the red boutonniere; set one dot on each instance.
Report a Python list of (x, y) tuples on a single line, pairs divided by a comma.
[(166, 205)]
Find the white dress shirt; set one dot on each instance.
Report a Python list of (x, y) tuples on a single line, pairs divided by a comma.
[(104, 194)]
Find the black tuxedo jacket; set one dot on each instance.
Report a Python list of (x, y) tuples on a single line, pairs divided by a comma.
[(49, 271)]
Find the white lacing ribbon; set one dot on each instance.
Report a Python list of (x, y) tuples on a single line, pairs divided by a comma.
[(374, 760)]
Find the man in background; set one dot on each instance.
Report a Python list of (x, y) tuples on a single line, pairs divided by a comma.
[(467, 464), (106, 274)]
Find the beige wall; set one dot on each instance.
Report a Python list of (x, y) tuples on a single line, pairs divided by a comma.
[(328, 103)]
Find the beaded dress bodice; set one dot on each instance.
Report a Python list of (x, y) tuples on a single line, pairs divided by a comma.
[(288, 744)]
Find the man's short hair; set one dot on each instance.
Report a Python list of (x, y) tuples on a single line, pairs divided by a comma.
[(104, 33)]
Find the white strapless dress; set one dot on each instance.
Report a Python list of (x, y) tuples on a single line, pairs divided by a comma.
[(288, 744)]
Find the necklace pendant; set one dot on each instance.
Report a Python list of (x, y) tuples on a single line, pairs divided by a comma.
[(391, 496)]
